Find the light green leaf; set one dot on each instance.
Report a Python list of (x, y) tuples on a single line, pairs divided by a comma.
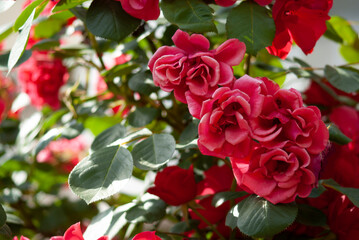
[(153, 152), (343, 28), (101, 174), (26, 13), (189, 15), (251, 24), (67, 4), (20, 44)]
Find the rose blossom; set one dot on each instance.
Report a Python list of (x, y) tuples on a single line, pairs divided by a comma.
[(225, 3), (21, 238), (146, 236), (284, 119), (278, 175), (41, 77), (175, 185), (302, 21), (193, 71), (74, 232), (224, 130), (142, 9)]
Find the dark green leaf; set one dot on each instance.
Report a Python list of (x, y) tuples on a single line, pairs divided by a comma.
[(142, 82), (101, 174), (149, 211), (257, 217), (316, 192), (108, 136), (335, 135), (351, 193), (251, 24), (232, 217), (107, 19), (153, 152), (221, 197), (189, 133), (5, 231), (142, 116), (20, 43), (311, 216), (189, 15), (11, 218), (119, 70), (5, 5), (2, 216), (182, 227), (79, 12), (342, 78), (45, 44), (4, 59)]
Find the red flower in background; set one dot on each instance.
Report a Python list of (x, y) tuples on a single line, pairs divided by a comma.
[(225, 3), (142, 9), (175, 185), (193, 71), (21, 238), (74, 233), (41, 77), (65, 153), (146, 236), (302, 21), (7, 95)]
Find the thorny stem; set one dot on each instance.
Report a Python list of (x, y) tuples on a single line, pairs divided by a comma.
[(208, 223)]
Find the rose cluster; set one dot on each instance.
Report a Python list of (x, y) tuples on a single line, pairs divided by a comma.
[(272, 139)]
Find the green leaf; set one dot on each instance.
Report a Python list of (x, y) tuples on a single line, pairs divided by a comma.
[(26, 14), (48, 28), (342, 78), (257, 217), (46, 139), (222, 197), (311, 216), (316, 192), (67, 4), (142, 82), (5, 31), (189, 15), (101, 174), (182, 227), (149, 211), (99, 124), (107, 19), (118, 220), (99, 224), (153, 152), (142, 116), (134, 136), (5, 5), (45, 44), (343, 29), (4, 59), (20, 44), (335, 135), (2, 216), (251, 24), (72, 130), (332, 34), (108, 136), (351, 193), (350, 52), (189, 133), (6, 232)]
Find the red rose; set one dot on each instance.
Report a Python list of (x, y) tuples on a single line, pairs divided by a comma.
[(74, 232), (41, 78), (278, 175), (217, 179), (224, 130), (146, 236), (142, 9), (302, 21), (263, 2), (175, 185), (225, 3), (192, 71)]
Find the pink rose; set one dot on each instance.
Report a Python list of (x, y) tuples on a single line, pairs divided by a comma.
[(175, 185), (278, 175), (74, 232), (146, 236), (142, 9), (284, 119), (21, 238), (41, 77), (224, 130), (193, 71)]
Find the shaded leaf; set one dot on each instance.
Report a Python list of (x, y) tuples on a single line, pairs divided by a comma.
[(108, 136), (342, 78), (311, 216), (221, 197), (351, 193), (335, 135), (142, 116), (149, 211)]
